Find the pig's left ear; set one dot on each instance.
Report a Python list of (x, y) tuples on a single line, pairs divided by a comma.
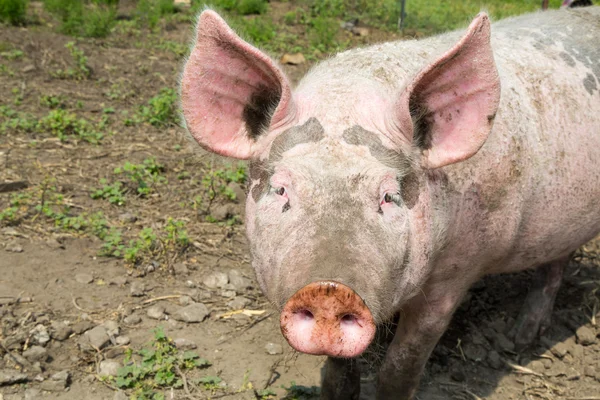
[(448, 109), (231, 93)]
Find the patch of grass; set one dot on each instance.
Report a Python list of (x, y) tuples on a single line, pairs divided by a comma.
[(161, 109), (298, 392), (259, 30), (12, 54), (14, 121), (84, 18), (111, 192), (66, 125), (144, 176), (52, 101), (322, 34), (179, 49), (160, 367), (13, 11), (247, 7), (149, 12), (80, 70)]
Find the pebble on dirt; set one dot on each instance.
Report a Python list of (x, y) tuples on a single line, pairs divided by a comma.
[(586, 336), (11, 376), (133, 319), (184, 344), (193, 313), (137, 289), (82, 326), (216, 280), (109, 368), (40, 335), (36, 353), (13, 247), (84, 278), (60, 331), (238, 282), (274, 348), (157, 311), (93, 339), (57, 382)]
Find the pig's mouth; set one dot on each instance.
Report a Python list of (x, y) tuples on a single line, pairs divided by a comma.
[(327, 318)]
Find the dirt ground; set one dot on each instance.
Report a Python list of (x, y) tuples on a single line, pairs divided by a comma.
[(55, 289)]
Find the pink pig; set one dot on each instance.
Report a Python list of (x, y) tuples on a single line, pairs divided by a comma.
[(395, 176)]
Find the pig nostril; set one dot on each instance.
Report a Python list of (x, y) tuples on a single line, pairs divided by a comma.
[(349, 319), (305, 314)]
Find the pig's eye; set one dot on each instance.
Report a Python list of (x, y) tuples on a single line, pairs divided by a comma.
[(280, 191), (391, 198)]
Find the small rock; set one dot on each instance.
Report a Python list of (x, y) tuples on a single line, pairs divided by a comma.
[(185, 300), (537, 366), (114, 352), (559, 350), (190, 284), (239, 282), (494, 360), (239, 303), (273, 348), (32, 394), (498, 325), (127, 217), (36, 353), (13, 247), (137, 289), (54, 244), (11, 376), (184, 344), (590, 371), (180, 269), (118, 281), (193, 313), (293, 59), (82, 326), (150, 268), (40, 335), (222, 212), (61, 331), (57, 382), (503, 343), (123, 340), (216, 280), (112, 327), (558, 368), (157, 311), (84, 278), (28, 68), (474, 352), (585, 336), (97, 338), (133, 319), (359, 31), (228, 293), (109, 368), (457, 373)]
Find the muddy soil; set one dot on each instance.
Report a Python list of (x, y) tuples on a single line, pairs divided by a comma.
[(66, 312)]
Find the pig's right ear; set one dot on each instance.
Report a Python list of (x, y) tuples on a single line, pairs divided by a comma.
[(232, 94), (448, 110)]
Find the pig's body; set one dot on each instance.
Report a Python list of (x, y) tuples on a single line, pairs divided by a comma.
[(393, 178)]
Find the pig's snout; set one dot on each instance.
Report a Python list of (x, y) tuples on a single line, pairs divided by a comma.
[(327, 318)]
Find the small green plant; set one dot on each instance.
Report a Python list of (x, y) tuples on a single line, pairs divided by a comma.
[(52, 101), (265, 394), (298, 392), (161, 109), (13, 11), (17, 96), (14, 121), (149, 12), (289, 18), (12, 54), (113, 244), (161, 366), (176, 233), (247, 7), (113, 192), (145, 176), (258, 30), (65, 125), (94, 18), (81, 69), (209, 382), (179, 49), (322, 34)]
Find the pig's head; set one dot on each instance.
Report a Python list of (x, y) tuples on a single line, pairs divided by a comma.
[(339, 213)]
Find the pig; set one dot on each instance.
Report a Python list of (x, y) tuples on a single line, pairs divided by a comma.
[(395, 176)]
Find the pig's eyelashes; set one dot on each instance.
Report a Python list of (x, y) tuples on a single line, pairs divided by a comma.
[(391, 198)]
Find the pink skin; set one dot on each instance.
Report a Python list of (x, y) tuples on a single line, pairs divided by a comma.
[(497, 183)]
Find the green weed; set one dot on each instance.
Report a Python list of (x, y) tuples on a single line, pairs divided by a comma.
[(161, 365), (81, 69), (84, 18), (111, 192), (65, 125), (298, 392), (12, 54), (13, 11), (52, 101), (149, 12), (258, 30), (161, 109), (14, 121), (247, 7), (144, 176)]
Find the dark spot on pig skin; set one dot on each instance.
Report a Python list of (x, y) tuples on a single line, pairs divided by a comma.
[(358, 136), (311, 131), (410, 189), (491, 118), (261, 170), (589, 82), (257, 112), (567, 59), (285, 207)]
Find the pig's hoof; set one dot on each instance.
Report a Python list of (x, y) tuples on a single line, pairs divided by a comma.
[(529, 325)]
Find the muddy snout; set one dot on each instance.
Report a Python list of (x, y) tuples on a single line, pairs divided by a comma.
[(327, 318)]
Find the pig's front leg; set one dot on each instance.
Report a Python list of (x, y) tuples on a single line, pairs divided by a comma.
[(422, 323), (341, 379)]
